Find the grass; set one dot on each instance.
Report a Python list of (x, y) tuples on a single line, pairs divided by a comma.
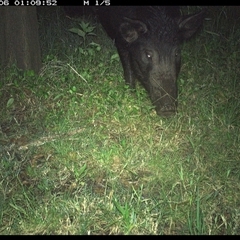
[(82, 154)]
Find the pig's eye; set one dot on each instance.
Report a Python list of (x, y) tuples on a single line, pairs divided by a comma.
[(148, 54), (177, 53)]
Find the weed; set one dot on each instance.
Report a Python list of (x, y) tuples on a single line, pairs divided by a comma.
[(196, 223)]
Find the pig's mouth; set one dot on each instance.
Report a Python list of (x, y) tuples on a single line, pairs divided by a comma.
[(166, 111), (165, 104)]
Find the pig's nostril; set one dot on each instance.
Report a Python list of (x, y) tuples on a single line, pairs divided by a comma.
[(166, 110)]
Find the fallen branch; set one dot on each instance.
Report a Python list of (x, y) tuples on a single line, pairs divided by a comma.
[(52, 138)]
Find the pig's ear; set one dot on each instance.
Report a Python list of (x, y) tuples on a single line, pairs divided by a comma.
[(189, 24), (132, 29)]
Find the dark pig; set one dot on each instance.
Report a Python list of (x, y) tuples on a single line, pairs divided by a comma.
[(148, 41)]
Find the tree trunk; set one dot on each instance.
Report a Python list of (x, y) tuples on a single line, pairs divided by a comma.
[(19, 39)]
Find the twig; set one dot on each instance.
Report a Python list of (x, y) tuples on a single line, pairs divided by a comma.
[(44, 140)]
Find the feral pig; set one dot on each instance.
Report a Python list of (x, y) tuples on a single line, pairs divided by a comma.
[(148, 41)]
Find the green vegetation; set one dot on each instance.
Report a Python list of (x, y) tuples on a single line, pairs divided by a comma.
[(81, 154)]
